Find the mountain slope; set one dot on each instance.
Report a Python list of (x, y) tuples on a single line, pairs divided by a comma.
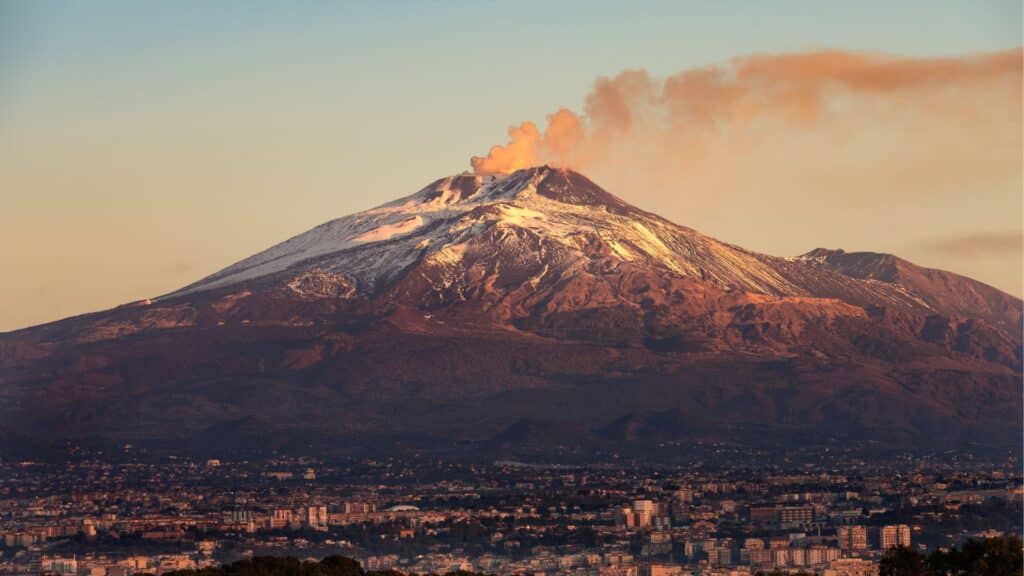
[(944, 292), (484, 309), (578, 220)]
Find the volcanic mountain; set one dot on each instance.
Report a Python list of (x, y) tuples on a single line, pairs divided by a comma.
[(527, 311)]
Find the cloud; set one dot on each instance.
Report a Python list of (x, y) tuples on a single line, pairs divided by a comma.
[(979, 245)]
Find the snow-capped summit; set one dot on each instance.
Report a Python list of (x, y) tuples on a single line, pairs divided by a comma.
[(478, 306), (533, 227), (562, 209), (375, 245), (542, 226)]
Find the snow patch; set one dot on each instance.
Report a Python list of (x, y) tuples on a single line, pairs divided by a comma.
[(620, 250), (518, 216), (449, 255), (390, 230)]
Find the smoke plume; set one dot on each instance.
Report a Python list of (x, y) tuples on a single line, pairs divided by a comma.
[(783, 153), (677, 117)]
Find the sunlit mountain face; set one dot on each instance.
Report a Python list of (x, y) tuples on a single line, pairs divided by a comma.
[(532, 311)]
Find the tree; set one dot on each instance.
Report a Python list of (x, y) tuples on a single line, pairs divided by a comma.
[(901, 561), (988, 557)]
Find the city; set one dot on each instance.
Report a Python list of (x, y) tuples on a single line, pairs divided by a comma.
[(93, 518), (532, 288)]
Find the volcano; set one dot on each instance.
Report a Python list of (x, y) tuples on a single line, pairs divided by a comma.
[(531, 311)]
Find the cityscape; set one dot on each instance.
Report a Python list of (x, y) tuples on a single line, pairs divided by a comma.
[(424, 516), (532, 288)]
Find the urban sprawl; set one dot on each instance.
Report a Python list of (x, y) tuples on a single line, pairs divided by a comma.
[(422, 515)]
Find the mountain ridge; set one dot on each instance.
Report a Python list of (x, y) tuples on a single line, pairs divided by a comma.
[(481, 307), (482, 194)]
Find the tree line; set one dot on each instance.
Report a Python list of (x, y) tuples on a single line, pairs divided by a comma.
[(988, 557)]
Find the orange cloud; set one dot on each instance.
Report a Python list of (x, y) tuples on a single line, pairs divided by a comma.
[(979, 245), (676, 114), (522, 150)]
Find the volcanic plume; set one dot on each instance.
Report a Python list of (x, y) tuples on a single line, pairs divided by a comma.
[(677, 114), (760, 148)]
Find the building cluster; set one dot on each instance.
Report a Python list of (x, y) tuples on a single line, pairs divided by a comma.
[(95, 518)]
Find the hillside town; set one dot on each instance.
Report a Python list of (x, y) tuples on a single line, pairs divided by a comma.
[(93, 517)]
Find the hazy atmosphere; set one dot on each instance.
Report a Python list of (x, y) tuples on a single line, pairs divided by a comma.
[(145, 146)]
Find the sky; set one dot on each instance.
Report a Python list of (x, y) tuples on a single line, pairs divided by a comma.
[(146, 145)]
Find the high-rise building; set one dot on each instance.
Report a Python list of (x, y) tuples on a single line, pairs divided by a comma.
[(645, 511), (843, 537), (722, 557), (359, 507), (818, 555), (797, 557), (796, 515), (853, 537), (780, 556), (280, 518), (895, 535), (761, 557), (903, 535), (764, 514), (316, 516), (782, 516)]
